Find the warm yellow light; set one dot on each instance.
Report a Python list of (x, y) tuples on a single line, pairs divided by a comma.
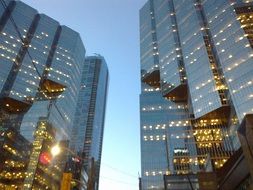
[(55, 150)]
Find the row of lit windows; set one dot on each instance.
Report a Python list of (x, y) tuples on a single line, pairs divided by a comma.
[(203, 84), (208, 122), (150, 70), (10, 149), (163, 108), (63, 55), (151, 89), (20, 95), (8, 50), (238, 62), (163, 126), (170, 54), (209, 135), (246, 85), (220, 12), (36, 62), (30, 74), (14, 45), (150, 127), (61, 73), (155, 173), (8, 57), (163, 137), (11, 37), (13, 175), (189, 160), (178, 123), (154, 138), (199, 161)]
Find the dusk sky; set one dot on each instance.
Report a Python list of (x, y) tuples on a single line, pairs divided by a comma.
[(110, 28)]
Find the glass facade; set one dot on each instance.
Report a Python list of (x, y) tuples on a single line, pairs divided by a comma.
[(233, 49), (160, 135), (194, 99), (88, 131), (40, 75), (149, 49), (172, 70), (63, 65)]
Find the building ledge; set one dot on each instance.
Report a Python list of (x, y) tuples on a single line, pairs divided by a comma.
[(177, 94), (51, 89), (14, 106), (152, 79), (222, 112)]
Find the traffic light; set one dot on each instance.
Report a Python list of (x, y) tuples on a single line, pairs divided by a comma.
[(45, 158)]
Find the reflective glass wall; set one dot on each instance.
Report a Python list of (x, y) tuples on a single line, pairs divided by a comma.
[(89, 120), (40, 75), (204, 50)]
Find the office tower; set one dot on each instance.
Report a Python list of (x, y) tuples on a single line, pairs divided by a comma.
[(196, 74), (87, 136), (40, 75), (42, 61)]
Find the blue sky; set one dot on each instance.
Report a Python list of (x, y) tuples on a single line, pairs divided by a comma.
[(110, 28)]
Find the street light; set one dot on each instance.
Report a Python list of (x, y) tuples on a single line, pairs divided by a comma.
[(77, 161), (55, 150)]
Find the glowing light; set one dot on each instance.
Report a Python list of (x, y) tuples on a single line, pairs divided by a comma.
[(55, 150)]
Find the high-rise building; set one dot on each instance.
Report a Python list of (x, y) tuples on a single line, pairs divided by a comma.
[(40, 75), (87, 135), (196, 74), (41, 65)]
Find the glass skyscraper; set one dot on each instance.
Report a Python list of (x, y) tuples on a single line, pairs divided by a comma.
[(40, 75), (196, 74), (87, 135), (41, 64)]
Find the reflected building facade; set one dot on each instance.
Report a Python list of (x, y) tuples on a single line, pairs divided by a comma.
[(14, 146), (196, 74)]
